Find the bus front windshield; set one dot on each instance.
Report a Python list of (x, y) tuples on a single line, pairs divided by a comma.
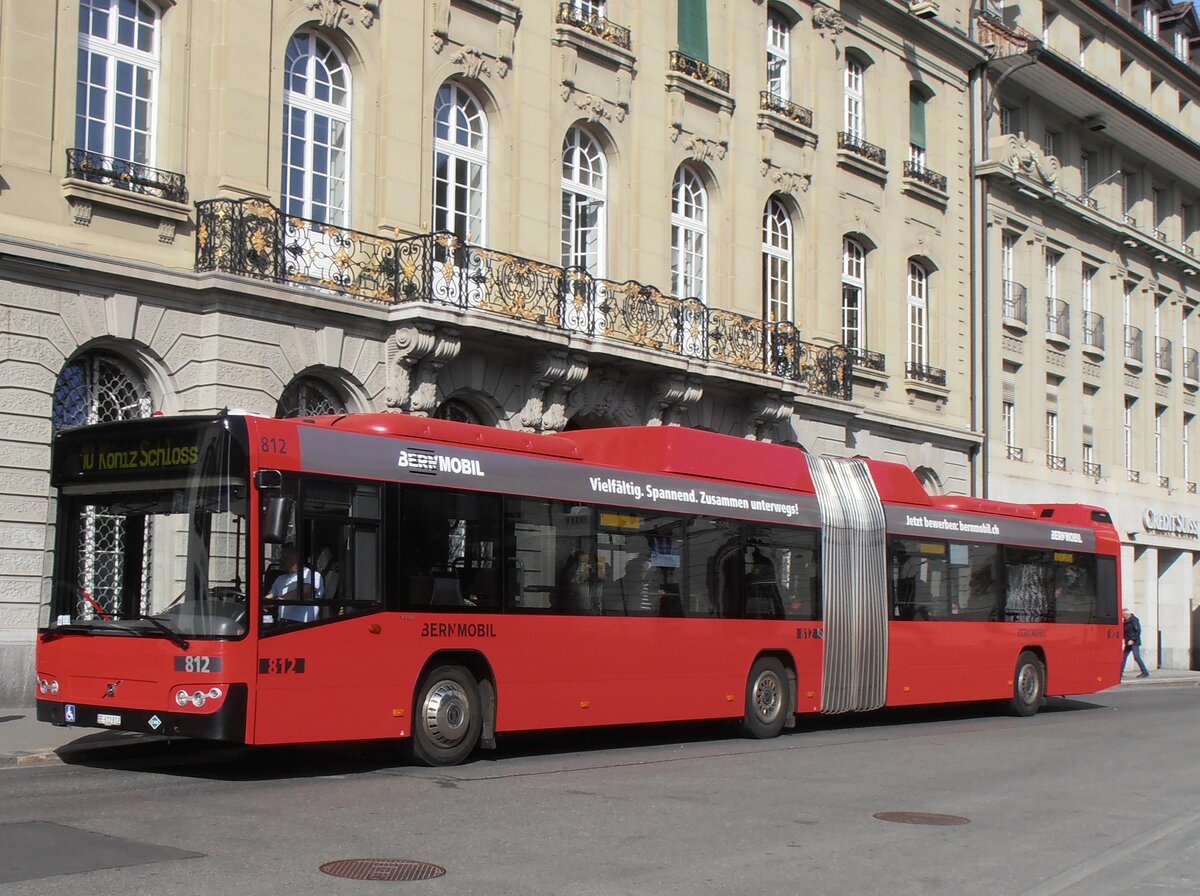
[(159, 554)]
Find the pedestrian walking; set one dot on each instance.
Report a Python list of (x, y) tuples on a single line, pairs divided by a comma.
[(1133, 642)]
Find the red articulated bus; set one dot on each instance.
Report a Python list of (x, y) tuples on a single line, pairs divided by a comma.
[(270, 581)]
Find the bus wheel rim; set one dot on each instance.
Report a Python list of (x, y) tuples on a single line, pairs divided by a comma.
[(768, 697), (1027, 684), (446, 714)]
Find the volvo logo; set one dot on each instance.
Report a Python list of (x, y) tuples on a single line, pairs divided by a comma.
[(111, 690)]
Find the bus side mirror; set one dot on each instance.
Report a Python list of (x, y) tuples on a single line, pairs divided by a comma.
[(276, 514)]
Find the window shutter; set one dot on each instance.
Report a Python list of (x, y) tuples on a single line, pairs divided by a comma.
[(916, 119), (693, 29)]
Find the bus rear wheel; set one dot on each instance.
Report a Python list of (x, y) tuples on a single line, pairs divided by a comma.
[(1029, 684), (766, 699), (448, 717)]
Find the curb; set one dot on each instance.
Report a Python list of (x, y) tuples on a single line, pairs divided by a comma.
[(28, 758)]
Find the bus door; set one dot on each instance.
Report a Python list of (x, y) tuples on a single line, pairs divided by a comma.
[(323, 670)]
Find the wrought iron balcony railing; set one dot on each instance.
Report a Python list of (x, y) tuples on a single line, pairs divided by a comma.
[(597, 26), (1129, 220), (1056, 462), (1133, 343), (1093, 330), (1058, 318), (1015, 302), (852, 142), (1086, 200), (769, 102), (919, 172), (1162, 354), (924, 373), (1093, 470), (1191, 488), (700, 71), (100, 169), (1164, 482), (1160, 235), (1134, 475), (1015, 453), (867, 360), (1191, 364), (252, 238), (1188, 250)]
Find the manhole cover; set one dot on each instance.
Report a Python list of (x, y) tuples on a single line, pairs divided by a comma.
[(383, 869), (921, 818)]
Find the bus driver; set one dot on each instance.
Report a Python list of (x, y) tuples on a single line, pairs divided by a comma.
[(289, 585)]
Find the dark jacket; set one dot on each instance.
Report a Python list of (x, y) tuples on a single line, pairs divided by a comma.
[(1133, 630)]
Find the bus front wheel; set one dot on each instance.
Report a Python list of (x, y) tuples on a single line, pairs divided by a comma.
[(766, 699), (448, 718), (1029, 684)]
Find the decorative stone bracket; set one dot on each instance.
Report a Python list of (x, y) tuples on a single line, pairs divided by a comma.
[(419, 351), (672, 398), (766, 412), (554, 375)]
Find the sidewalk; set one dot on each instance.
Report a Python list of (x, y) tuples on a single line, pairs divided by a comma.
[(25, 741)]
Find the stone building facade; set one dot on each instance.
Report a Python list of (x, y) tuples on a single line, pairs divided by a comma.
[(1089, 205), (752, 217)]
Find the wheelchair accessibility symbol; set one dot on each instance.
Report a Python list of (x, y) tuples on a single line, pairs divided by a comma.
[(69, 712)]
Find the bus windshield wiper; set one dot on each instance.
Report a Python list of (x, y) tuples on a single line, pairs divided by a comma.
[(171, 634)]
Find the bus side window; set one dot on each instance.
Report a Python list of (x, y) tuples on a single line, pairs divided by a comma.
[(450, 540)]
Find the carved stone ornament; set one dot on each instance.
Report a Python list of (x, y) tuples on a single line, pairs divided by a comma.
[(765, 413), (554, 375), (829, 23), (419, 351), (671, 398), (786, 181), (81, 211), (332, 13), (1025, 157), (703, 149), (439, 14), (472, 61), (595, 108)]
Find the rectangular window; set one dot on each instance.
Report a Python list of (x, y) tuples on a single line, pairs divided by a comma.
[(936, 580), (1052, 433), (693, 29), (1052, 143), (1187, 447), (1160, 414), (1127, 426), (1009, 415), (451, 545)]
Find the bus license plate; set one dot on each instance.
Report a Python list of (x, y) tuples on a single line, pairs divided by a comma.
[(108, 719)]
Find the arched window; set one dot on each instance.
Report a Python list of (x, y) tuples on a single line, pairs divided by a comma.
[(307, 396), (779, 55), (777, 262), (918, 316), (689, 235), (116, 82), (854, 117), (584, 202), (459, 164), (457, 410), (316, 131), (854, 294), (98, 387)]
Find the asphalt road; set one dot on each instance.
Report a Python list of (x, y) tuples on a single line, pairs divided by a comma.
[(1093, 796)]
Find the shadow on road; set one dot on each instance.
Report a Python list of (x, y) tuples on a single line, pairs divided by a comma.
[(234, 762)]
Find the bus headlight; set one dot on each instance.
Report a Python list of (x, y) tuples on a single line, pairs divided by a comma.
[(198, 698)]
